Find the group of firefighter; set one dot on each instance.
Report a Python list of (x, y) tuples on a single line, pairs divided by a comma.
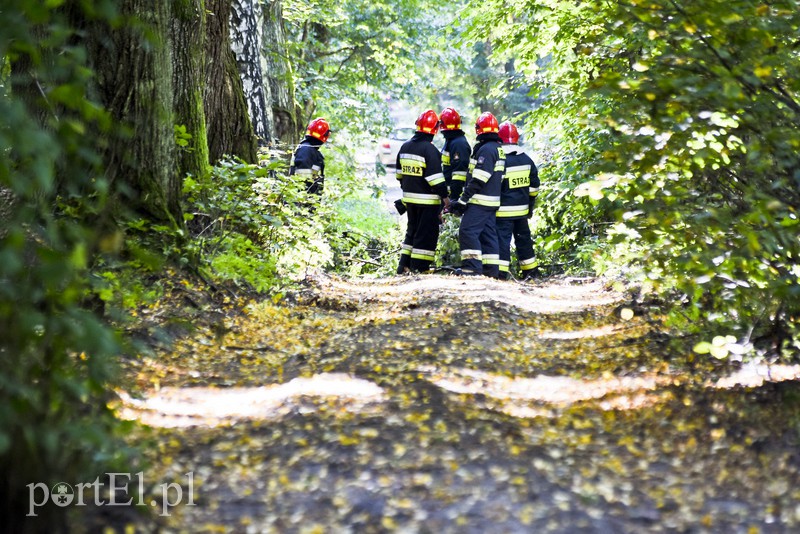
[(491, 186)]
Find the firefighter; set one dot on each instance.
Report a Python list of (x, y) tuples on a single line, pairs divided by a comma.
[(419, 169), (477, 236), (518, 196), (455, 152), (307, 160)]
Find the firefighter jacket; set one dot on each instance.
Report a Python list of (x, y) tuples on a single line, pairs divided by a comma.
[(485, 175), (308, 162), (455, 161), (520, 184), (419, 169)]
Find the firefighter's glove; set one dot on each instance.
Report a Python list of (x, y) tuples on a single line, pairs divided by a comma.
[(398, 204), (531, 204), (458, 208)]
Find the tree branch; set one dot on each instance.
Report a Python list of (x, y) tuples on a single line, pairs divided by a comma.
[(751, 89)]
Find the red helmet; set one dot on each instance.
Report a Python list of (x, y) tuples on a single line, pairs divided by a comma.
[(509, 134), (319, 129), (428, 122), (450, 119), (486, 123)]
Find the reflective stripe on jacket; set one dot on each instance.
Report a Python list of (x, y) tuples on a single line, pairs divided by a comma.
[(520, 184), (486, 170), (455, 161), (308, 162), (419, 169)]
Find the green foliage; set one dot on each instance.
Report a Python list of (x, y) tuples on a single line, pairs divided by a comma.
[(242, 260), (347, 56), (123, 287), (255, 225), (183, 138), (448, 251), (496, 85), (364, 238), (234, 217), (683, 123), (56, 358)]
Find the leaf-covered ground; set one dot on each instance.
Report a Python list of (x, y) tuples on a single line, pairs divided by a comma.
[(445, 404)]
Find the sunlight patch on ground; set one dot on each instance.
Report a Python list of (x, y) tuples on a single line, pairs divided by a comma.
[(542, 395), (523, 397), (203, 406), (556, 390), (608, 330), (755, 375), (554, 296)]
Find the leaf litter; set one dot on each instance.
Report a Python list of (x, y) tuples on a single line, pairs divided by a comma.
[(444, 404)]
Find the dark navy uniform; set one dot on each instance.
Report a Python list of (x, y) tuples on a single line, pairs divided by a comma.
[(419, 169), (455, 161), (477, 235), (518, 196), (308, 162)]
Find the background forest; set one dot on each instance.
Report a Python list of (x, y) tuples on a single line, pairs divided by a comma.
[(140, 140)]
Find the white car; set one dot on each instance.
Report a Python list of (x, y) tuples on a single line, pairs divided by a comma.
[(389, 146)]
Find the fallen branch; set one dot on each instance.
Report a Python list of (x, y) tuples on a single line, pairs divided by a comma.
[(352, 258)]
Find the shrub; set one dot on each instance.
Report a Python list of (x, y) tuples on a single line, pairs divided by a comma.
[(56, 358)]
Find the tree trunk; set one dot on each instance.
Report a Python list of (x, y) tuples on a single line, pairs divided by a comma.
[(230, 131), (133, 64), (188, 36), (278, 73), (246, 39)]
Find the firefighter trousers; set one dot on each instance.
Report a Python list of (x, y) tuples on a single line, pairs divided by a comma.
[(477, 238), (521, 231), (422, 234)]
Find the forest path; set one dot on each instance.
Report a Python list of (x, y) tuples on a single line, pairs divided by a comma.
[(449, 404)]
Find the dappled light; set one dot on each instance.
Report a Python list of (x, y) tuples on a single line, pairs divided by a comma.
[(607, 330), (556, 390), (756, 375), (175, 407), (574, 294), (516, 396), (359, 403), (567, 304)]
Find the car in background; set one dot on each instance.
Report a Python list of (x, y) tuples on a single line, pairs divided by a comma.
[(389, 146)]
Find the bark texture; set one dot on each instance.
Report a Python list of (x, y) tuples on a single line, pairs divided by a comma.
[(188, 45), (278, 73), (134, 72), (230, 131), (246, 42)]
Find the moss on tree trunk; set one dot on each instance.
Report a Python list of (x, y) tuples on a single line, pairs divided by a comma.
[(133, 63), (188, 38)]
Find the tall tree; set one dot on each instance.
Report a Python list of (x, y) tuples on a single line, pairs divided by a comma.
[(278, 73), (188, 45), (134, 81), (246, 39), (230, 131)]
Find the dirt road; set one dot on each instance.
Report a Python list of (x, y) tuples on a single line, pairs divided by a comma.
[(446, 404)]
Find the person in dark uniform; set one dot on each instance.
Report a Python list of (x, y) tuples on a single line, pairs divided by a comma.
[(307, 160), (419, 169), (477, 235), (517, 199), (455, 152)]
